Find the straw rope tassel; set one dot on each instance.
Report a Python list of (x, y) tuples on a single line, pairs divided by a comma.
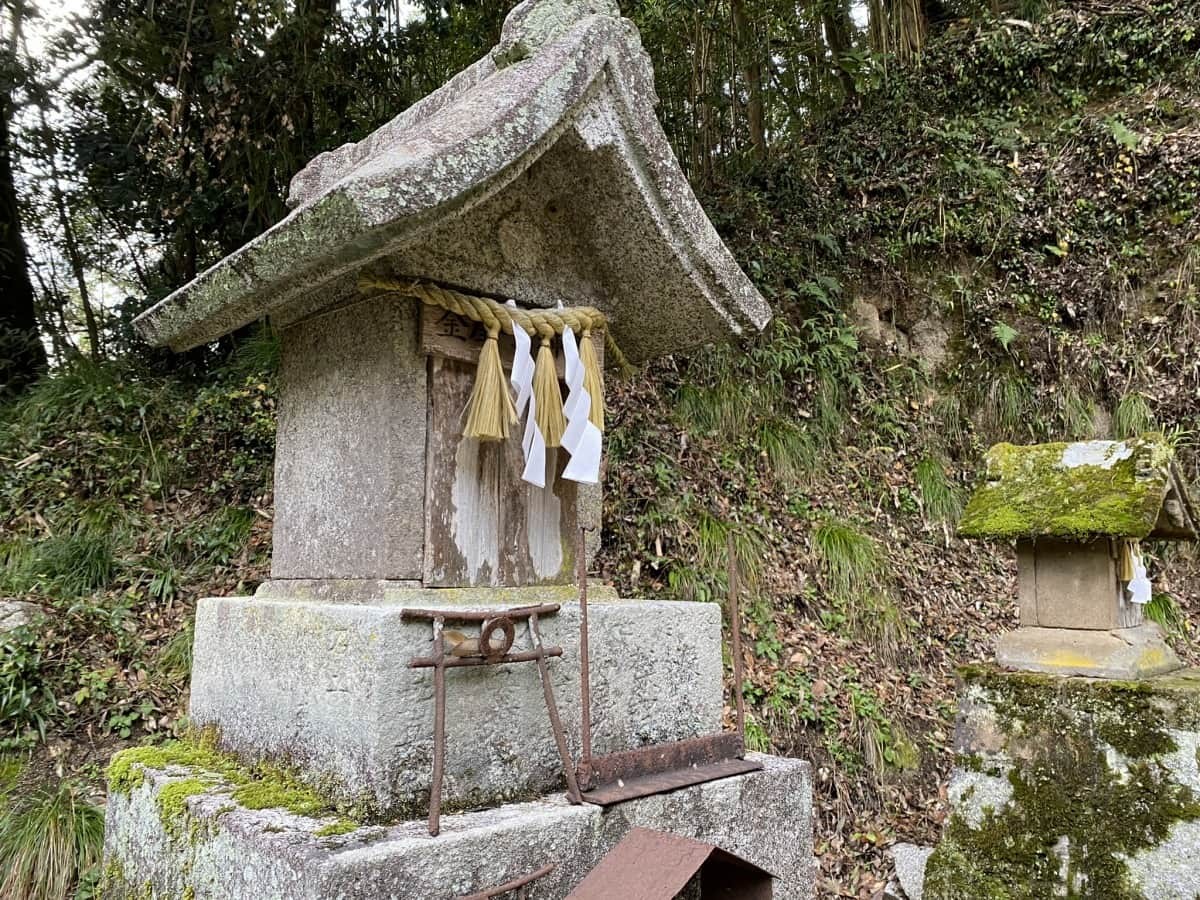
[(593, 379), (547, 396), (490, 410), (1128, 548)]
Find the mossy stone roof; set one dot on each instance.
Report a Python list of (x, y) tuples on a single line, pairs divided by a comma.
[(1081, 491)]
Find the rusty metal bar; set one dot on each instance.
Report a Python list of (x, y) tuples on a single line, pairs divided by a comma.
[(439, 728), (513, 885), (458, 662), (585, 678), (657, 758), (474, 615), (664, 782), (560, 738), (735, 626)]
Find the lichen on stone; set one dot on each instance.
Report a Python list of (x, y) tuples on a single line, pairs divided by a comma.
[(1073, 491), (1088, 785)]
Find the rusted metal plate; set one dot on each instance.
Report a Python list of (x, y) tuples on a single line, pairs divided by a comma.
[(659, 768), (654, 865), (662, 782), (658, 758), (483, 524)]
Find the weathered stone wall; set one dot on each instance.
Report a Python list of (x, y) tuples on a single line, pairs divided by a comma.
[(326, 686), (1072, 787), (207, 847)]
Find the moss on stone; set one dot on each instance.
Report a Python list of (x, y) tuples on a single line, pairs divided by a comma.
[(264, 785), (341, 826), (172, 803), (275, 788), (1034, 492), (1076, 812), (198, 750), (1134, 717)]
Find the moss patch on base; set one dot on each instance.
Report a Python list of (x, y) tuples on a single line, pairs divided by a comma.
[(1090, 786), (261, 786)]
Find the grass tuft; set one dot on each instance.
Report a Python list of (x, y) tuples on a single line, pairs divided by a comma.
[(175, 658), (851, 558), (1164, 610), (1132, 416), (942, 502), (853, 567), (49, 840)]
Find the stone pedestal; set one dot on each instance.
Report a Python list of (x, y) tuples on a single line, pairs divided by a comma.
[(206, 845), (1072, 787), (1121, 653), (325, 687)]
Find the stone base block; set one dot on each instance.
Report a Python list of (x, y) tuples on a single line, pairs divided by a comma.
[(325, 687), (1124, 653), (1072, 787), (209, 848)]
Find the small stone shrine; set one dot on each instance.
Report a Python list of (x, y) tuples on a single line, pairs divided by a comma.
[(1077, 513), (1077, 755), (446, 292)]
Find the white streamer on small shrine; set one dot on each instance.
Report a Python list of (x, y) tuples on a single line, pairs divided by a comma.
[(1139, 585)]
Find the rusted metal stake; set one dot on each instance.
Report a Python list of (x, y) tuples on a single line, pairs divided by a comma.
[(585, 681), (735, 624), (560, 738), (513, 885), (439, 728)]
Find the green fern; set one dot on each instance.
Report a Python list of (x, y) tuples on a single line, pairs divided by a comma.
[(1004, 334)]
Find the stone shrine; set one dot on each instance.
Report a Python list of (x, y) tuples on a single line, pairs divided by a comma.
[(1077, 512), (539, 175), (1076, 771)]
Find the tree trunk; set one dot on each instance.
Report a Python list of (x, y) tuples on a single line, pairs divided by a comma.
[(22, 356), (73, 254), (899, 27), (747, 54), (835, 15)]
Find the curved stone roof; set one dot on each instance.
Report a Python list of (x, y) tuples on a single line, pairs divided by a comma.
[(1081, 491), (539, 173)]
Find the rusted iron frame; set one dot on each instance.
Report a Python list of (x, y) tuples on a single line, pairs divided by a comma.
[(458, 662), (439, 728), (560, 737), (515, 884), (658, 768), (664, 767), (475, 615), (735, 627), (439, 663), (585, 678)]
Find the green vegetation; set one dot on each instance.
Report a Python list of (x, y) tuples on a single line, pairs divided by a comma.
[(1030, 492), (50, 838), (265, 785), (1074, 814)]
